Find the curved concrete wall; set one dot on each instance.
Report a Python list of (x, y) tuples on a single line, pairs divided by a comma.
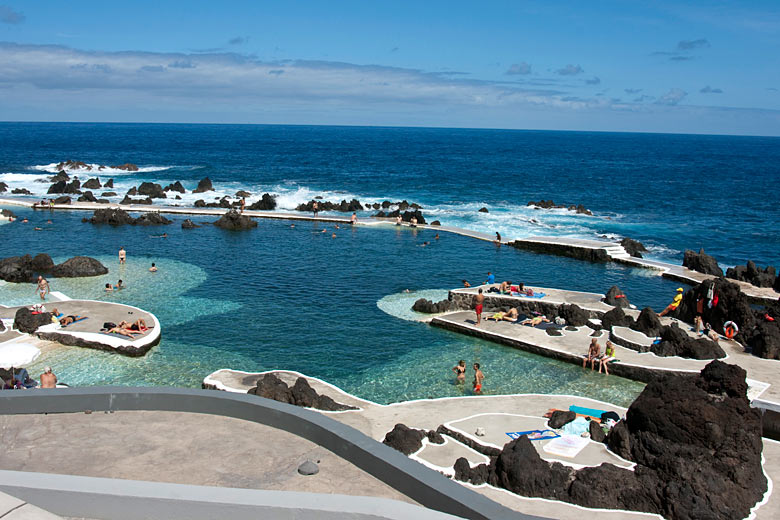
[(421, 484)]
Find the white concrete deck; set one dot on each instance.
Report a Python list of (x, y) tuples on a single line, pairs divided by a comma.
[(497, 415)]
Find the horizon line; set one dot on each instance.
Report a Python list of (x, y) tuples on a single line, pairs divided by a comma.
[(2, 121)]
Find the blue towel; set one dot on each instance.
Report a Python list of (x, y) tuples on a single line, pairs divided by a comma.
[(592, 412), (536, 295), (544, 434)]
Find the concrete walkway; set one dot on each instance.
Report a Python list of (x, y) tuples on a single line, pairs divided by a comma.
[(497, 415)]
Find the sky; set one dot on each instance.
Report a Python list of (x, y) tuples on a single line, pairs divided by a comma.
[(708, 67)]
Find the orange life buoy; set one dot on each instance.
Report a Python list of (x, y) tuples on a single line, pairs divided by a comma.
[(730, 329)]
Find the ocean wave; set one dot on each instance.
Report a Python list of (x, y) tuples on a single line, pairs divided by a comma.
[(99, 169)]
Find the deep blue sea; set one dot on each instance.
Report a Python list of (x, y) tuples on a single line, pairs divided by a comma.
[(291, 298)]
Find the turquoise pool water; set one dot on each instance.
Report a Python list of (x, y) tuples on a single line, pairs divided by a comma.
[(279, 297)]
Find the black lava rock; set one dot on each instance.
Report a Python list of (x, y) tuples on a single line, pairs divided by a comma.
[(633, 247), (301, 394), (428, 307), (404, 439), (574, 315), (616, 298), (483, 210), (648, 323), (753, 274), (203, 186), (27, 322), (676, 342), (189, 224), (559, 418), (79, 266), (701, 262), (151, 190), (92, 184), (62, 200), (87, 196), (235, 221), (266, 203), (176, 186), (616, 318)]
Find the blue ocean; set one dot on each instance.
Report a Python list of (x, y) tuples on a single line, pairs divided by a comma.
[(293, 298)]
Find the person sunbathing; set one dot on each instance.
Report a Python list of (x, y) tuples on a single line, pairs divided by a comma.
[(138, 325), (510, 315), (67, 320), (504, 287), (122, 331), (536, 320)]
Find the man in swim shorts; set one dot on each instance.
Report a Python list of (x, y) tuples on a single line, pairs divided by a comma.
[(594, 353), (48, 379), (122, 255), (675, 303), (479, 299), (478, 378)]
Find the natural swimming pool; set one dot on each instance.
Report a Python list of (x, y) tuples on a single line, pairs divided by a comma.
[(279, 297)]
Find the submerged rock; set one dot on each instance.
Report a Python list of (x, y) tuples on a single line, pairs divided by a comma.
[(549, 204), (235, 221), (189, 224), (701, 262), (21, 191), (79, 266), (428, 307), (152, 219), (323, 205)]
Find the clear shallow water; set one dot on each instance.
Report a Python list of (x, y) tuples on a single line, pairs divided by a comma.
[(292, 298)]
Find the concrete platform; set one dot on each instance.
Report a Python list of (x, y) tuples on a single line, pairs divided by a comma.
[(12, 508), (86, 333), (183, 448), (497, 415)]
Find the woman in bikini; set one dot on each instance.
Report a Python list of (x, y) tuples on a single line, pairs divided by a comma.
[(460, 370)]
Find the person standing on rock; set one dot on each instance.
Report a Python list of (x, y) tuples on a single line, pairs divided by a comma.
[(243, 203), (353, 219), (498, 239), (122, 255), (479, 299), (478, 378), (43, 287), (315, 208)]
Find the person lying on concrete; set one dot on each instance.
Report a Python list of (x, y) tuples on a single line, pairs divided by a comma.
[(138, 325), (536, 320), (67, 320)]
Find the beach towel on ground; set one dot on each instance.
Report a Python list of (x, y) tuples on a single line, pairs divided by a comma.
[(534, 435), (578, 426), (536, 295), (592, 412), (566, 445)]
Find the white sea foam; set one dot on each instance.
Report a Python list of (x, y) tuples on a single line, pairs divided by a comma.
[(98, 169)]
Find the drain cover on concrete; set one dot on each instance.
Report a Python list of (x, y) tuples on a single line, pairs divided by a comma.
[(308, 468)]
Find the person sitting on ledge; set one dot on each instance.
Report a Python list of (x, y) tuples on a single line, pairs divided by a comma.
[(536, 320), (675, 303), (594, 352), (466, 283), (609, 355), (67, 320), (48, 379), (491, 279)]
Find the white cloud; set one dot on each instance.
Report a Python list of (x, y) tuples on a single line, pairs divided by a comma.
[(673, 97)]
